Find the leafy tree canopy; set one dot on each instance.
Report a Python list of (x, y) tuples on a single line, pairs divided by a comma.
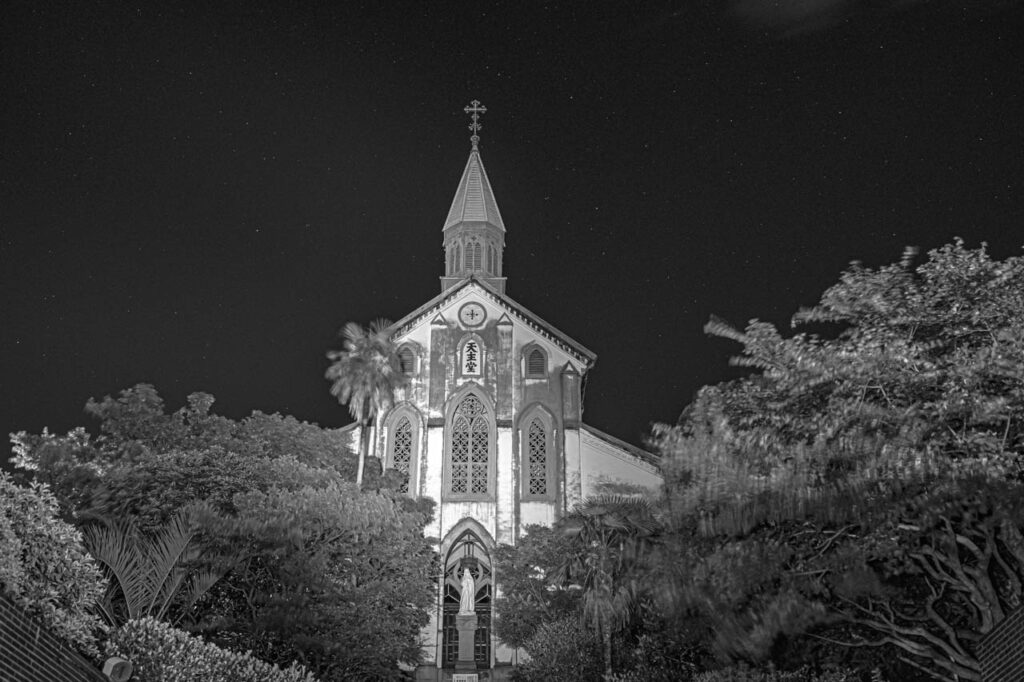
[(860, 496)]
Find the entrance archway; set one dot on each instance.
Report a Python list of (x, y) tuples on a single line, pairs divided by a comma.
[(470, 553)]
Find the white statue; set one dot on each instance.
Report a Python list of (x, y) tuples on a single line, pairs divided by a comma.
[(467, 600)]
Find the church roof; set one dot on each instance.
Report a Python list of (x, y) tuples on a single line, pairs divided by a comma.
[(474, 200), (586, 356), (639, 453)]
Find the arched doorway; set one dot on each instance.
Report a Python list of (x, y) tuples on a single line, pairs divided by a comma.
[(470, 553)]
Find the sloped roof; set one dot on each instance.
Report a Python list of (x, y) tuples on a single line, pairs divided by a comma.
[(474, 200), (639, 453), (587, 357)]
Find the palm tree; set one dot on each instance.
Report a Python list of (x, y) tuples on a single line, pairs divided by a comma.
[(610, 535), (150, 574), (365, 375)]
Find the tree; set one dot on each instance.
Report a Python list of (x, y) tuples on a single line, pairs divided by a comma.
[(561, 650), (364, 375), (149, 463), (43, 566), (609, 535), (529, 598), (863, 491), (316, 570), (155, 575), (335, 578)]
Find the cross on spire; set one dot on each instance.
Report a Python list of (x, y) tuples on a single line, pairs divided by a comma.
[(474, 110)]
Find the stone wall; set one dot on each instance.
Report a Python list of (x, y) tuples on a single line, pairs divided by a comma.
[(29, 652)]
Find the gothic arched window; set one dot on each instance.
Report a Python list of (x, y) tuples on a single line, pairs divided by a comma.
[(407, 361), (536, 364), (537, 459), (401, 451), (403, 429), (537, 450), (458, 257), (470, 449)]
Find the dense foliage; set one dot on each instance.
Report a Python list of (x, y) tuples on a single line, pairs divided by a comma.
[(43, 566), (562, 650), (247, 531), (856, 502), (161, 653), (861, 498)]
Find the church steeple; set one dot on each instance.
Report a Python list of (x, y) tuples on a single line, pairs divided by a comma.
[(474, 234)]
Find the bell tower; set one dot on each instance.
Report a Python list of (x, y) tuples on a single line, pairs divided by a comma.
[(474, 233)]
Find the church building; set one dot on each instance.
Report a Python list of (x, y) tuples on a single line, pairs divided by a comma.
[(491, 427)]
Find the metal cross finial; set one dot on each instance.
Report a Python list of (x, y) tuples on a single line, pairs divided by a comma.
[(474, 110)]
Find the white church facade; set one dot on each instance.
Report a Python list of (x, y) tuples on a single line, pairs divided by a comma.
[(490, 426)]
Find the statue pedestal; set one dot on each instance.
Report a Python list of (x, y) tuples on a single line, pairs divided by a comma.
[(466, 625)]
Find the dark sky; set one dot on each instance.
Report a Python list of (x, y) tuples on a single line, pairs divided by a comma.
[(199, 195)]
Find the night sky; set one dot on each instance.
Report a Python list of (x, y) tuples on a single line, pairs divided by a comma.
[(199, 195)]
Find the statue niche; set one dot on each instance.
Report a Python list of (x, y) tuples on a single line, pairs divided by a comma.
[(466, 624)]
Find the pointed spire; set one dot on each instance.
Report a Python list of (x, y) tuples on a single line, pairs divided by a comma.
[(474, 233), (474, 199)]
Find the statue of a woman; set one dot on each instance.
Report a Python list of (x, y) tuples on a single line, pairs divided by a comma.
[(467, 599)]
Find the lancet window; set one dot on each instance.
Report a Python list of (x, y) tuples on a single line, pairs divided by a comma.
[(470, 453), (407, 361), (536, 364), (401, 451), (537, 456)]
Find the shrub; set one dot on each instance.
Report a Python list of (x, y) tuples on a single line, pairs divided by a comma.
[(561, 650), (161, 653), (44, 567)]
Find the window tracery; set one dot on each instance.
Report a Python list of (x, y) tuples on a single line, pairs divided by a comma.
[(401, 451), (470, 448), (537, 446)]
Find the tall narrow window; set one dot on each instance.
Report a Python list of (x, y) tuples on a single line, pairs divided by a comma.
[(401, 451), (470, 455), (537, 449), (477, 249), (536, 364), (407, 361), (458, 257)]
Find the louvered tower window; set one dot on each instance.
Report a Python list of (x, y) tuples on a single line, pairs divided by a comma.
[(407, 361), (536, 364), (458, 257), (470, 448), (401, 451), (537, 447)]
